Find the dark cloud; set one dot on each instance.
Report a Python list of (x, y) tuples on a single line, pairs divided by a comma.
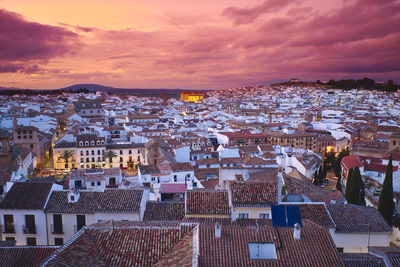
[(23, 44)]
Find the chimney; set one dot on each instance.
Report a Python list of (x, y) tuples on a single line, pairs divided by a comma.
[(296, 231), (217, 230)]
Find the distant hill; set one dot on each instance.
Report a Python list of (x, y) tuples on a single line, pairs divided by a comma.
[(156, 92)]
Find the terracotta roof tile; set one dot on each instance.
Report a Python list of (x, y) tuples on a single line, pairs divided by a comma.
[(207, 201), (164, 211), (245, 194)]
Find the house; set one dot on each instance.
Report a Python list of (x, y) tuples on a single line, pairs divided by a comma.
[(358, 227), (22, 212), (89, 108), (95, 179), (129, 155), (252, 199), (164, 211), (68, 211), (24, 256), (90, 150)]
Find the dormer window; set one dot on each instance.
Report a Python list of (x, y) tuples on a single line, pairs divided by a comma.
[(73, 197), (80, 143), (102, 142), (87, 143), (98, 143), (92, 143)]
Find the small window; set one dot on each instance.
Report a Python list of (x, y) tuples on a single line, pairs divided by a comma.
[(92, 143), (72, 198), (58, 241), (81, 152), (98, 183), (263, 216), (243, 215), (31, 241), (10, 238), (87, 143), (130, 152), (93, 183), (98, 143), (92, 152)]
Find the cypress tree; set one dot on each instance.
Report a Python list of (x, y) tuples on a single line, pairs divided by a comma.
[(386, 204), (320, 175), (349, 182), (358, 193)]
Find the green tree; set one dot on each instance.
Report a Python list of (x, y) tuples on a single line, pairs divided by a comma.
[(110, 155), (349, 185), (320, 175), (66, 155), (386, 204), (358, 188)]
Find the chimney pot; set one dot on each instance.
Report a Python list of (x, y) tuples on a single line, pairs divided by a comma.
[(296, 231)]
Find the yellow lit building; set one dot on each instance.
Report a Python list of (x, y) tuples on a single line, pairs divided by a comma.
[(192, 96)]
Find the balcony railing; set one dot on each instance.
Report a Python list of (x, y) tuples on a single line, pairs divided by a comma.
[(29, 229), (8, 229), (57, 228)]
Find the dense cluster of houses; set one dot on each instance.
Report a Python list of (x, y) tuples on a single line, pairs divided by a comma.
[(105, 180)]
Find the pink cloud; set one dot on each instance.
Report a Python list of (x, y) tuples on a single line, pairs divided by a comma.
[(249, 14)]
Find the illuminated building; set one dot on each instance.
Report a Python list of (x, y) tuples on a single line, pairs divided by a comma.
[(192, 96)]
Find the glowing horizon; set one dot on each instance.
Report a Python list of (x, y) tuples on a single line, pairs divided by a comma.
[(191, 44)]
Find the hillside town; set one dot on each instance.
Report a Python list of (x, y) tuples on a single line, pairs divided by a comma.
[(284, 175)]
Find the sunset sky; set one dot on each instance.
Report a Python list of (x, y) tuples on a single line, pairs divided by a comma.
[(208, 44)]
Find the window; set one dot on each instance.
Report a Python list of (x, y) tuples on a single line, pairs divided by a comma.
[(93, 183), (130, 151), (262, 251), (80, 143), (30, 226), (81, 152), (87, 153), (92, 143), (58, 241), (31, 241), (112, 181), (92, 152), (9, 224), (175, 178), (194, 184), (121, 159), (153, 179), (57, 226), (10, 238), (87, 160), (92, 159), (243, 215), (31, 146), (98, 183), (98, 159), (98, 152), (98, 143), (120, 152), (263, 216), (340, 250), (87, 143), (78, 184), (188, 175), (80, 221), (72, 198)]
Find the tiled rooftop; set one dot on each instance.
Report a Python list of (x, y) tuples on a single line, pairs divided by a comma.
[(207, 201), (248, 194)]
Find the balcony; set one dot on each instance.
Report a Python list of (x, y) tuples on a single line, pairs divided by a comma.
[(29, 229), (57, 229), (8, 229)]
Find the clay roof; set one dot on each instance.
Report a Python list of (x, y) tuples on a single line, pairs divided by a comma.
[(350, 162), (25, 256), (249, 194), (207, 201), (357, 219), (27, 195), (164, 211), (126, 244)]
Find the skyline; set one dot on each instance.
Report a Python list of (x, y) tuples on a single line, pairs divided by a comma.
[(212, 45)]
